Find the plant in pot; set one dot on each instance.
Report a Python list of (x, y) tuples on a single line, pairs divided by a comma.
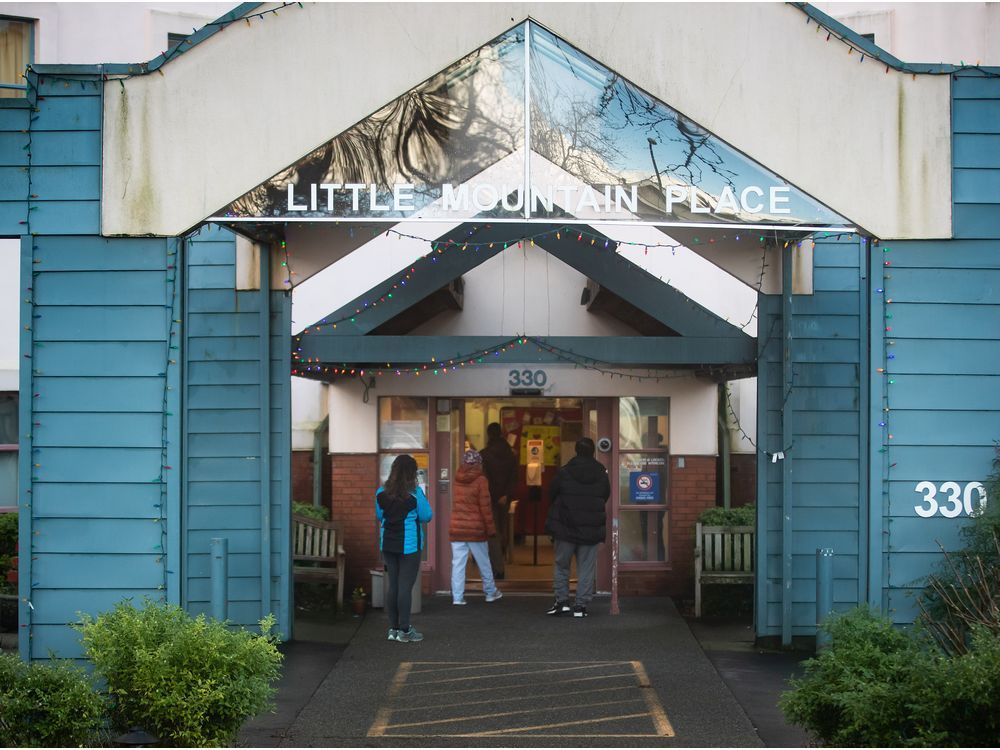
[(358, 600)]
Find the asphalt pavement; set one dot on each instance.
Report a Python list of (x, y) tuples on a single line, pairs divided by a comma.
[(506, 675)]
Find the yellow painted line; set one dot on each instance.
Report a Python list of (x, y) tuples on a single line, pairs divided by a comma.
[(629, 675), (512, 674), (475, 717), (465, 665), (401, 674), (492, 701), (577, 722), (377, 729), (656, 711)]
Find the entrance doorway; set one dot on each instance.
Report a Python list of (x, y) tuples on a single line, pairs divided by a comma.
[(553, 425)]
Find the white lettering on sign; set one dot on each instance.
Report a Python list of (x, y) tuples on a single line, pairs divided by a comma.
[(479, 197), (956, 499)]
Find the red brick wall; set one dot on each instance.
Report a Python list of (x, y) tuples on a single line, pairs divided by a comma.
[(743, 478), (692, 490), (354, 481), (302, 477)]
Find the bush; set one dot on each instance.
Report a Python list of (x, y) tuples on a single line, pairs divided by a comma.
[(8, 549), (319, 512), (190, 681), (879, 686), (745, 515), (965, 591), (47, 705)]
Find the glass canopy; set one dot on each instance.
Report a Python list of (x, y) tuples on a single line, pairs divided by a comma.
[(529, 127)]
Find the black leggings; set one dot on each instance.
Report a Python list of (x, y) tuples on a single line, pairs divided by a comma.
[(402, 572)]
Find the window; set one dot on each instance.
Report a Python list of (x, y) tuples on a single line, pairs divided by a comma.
[(643, 440), (403, 428), (174, 41), (8, 450), (16, 48)]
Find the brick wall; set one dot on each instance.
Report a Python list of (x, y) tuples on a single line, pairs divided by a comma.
[(692, 490), (354, 481), (302, 477)]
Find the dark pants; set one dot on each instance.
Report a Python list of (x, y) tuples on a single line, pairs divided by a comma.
[(401, 570), (498, 543)]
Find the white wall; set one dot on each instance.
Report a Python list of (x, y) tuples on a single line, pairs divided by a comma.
[(126, 32), (927, 32), (753, 73), (693, 431), (10, 313)]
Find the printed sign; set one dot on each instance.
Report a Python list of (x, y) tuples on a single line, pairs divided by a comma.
[(644, 487)]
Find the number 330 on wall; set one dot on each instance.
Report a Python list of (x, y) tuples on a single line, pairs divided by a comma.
[(955, 501)]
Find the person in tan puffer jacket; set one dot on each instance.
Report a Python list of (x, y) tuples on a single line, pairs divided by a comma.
[(471, 525)]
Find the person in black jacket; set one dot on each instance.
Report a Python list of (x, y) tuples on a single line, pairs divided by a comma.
[(500, 468), (577, 523)]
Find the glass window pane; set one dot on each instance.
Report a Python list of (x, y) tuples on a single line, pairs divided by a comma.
[(642, 479), (448, 130), (15, 54), (643, 423), (402, 423), (385, 465), (643, 536), (8, 418), (8, 478), (589, 122)]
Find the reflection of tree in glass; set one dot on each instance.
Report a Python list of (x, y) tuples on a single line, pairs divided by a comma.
[(448, 129), (655, 119), (568, 130)]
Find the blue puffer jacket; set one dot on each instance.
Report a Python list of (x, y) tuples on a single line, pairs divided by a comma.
[(399, 521)]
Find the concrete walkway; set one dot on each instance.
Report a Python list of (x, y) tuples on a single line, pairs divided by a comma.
[(504, 674)]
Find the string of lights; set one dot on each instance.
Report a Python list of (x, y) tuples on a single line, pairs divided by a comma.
[(890, 62)]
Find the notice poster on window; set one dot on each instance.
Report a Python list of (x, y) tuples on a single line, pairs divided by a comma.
[(402, 434)]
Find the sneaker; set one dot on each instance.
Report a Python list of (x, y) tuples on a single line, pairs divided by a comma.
[(393, 635), (459, 603), (494, 597), (560, 608), (579, 611), (409, 636)]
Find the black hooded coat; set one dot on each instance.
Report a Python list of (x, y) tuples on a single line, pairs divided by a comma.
[(579, 492)]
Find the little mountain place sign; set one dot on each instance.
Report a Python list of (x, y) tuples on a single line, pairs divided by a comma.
[(354, 200)]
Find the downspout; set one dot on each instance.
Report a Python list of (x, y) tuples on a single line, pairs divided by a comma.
[(786, 440), (264, 331), (724, 448), (318, 437)]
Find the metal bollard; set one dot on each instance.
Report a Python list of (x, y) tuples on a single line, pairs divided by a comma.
[(824, 594), (219, 548)]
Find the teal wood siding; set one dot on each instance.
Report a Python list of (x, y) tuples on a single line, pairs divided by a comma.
[(98, 459), (828, 493), (945, 349), (222, 417), (63, 149)]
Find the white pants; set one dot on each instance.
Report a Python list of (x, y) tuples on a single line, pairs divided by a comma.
[(459, 557)]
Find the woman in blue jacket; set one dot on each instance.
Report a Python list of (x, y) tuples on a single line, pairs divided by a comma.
[(400, 507)]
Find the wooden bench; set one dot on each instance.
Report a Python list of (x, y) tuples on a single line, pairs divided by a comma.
[(722, 554), (318, 546)]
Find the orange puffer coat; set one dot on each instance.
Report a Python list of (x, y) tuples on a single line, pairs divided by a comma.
[(471, 515)]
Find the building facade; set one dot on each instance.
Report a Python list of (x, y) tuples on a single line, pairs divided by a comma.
[(158, 346)]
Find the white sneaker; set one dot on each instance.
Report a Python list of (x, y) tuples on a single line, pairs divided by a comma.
[(459, 603), (494, 597)]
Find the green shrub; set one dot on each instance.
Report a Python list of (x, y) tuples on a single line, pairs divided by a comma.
[(879, 686), (189, 681), (47, 705), (744, 515), (319, 512), (965, 590), (8, 548)]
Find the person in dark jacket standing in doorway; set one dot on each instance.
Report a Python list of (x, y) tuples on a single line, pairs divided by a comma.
[(500, 468), (577, 522)]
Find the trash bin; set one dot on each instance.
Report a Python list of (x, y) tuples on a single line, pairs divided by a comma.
[(378, 592), (378, 588)]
